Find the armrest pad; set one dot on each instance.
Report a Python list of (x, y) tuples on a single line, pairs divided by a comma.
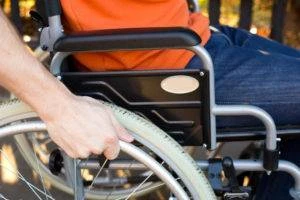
[(128, 39)]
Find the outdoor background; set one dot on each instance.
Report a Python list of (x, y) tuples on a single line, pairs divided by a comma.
[(261, 20), (262, 11)]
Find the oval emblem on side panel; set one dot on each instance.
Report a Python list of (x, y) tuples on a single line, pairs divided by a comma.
[(179, 84)]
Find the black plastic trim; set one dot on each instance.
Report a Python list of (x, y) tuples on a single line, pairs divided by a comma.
[(53, 7), (128, 39), (180, 115), (271, 159)]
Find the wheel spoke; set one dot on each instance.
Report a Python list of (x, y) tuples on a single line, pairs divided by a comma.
[(40, 174), (20, 176), (3, 197), (100, 170), (140, 185)]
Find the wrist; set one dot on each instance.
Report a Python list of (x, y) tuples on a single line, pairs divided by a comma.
[(54, 103)]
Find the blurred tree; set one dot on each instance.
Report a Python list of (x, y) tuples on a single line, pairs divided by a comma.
[(278, 19), (15, 15), (255, 15), (292, 24), (214, 11), (246, 14)]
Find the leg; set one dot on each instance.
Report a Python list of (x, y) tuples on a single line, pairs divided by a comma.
[(243, 38), (271, 82)]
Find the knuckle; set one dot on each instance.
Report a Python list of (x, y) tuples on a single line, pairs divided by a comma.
[(83, 154), (112, 153), (96, 150), (111, 140), (112, 156), (71, 154)]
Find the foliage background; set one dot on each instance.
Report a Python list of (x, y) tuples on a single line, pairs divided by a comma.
[(261, 17)]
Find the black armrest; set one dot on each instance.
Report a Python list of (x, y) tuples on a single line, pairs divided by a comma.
[(128, 39)]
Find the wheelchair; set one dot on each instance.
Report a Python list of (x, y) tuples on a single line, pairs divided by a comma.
[(163, 119)]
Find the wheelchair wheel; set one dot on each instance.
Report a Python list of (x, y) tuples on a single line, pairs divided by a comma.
[(40, 144), (144, 132)]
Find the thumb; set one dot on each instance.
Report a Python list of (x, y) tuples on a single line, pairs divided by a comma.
[(120, 130)]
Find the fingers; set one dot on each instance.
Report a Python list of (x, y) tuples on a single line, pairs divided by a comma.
[(112, 152), (120, 130), (97, 148), (80, 137), (75, 151)]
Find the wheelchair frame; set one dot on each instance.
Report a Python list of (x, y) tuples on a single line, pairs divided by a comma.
[(53, 33)]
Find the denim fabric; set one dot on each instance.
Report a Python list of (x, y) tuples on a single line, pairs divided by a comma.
[(253, 70)]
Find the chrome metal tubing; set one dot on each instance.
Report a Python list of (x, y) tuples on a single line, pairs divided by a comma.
[(52, 33), (56, 62), (197, 7), (55, 28), (239, 110), (240, 165), (15, 129), (114, 165), (73, 176), (208, 65)]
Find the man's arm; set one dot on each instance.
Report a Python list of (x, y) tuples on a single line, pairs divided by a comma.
[(79, 125)]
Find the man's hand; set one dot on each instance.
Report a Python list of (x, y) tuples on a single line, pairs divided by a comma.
[(84, 126)]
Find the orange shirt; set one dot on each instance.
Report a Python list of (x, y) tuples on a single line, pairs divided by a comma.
[(87, 15)]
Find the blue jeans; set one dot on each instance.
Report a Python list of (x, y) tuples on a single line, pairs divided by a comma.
[(253, 70)]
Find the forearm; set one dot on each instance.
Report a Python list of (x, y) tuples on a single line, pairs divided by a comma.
[(25, 76), (79, 125)]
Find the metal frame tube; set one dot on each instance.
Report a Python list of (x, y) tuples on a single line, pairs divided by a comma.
[(55, 28), (22, 128), (208, 65), (240, 165), (197, 7), (73, 175), (254, 111), (51, 33), (115, 165), (56, 62)]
